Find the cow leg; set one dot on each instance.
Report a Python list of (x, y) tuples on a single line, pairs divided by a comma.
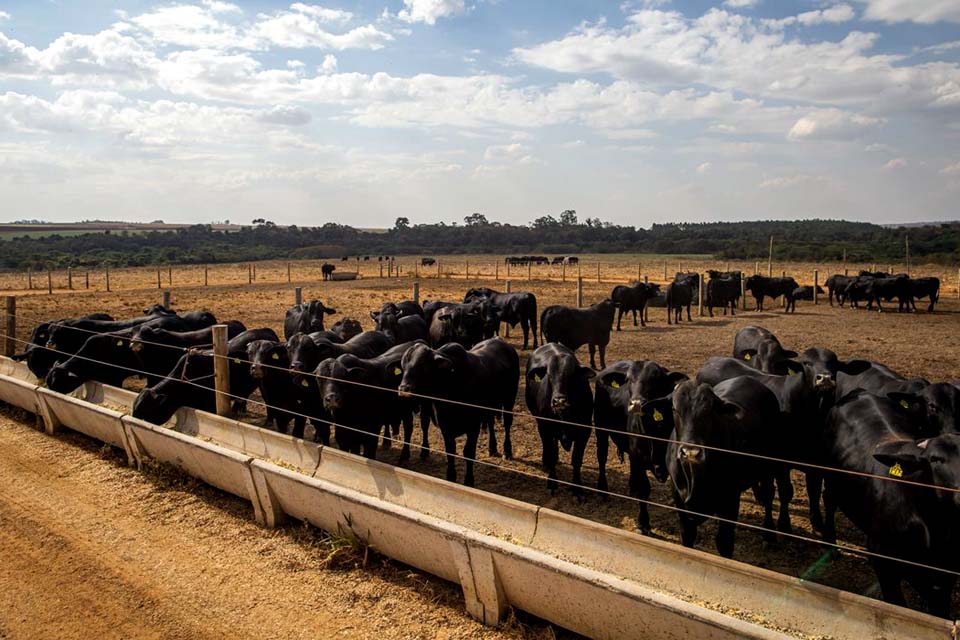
[(450, 447), (387, 435), (592, 348), (470, 452), (829, 530), (889, 577), (492, 437), (299, 422), (689, 319), (785, 492), (533, 329), (426, 410), (576, 461), (551, 454), (634, 317), (407, 433), (525, 327), (643, 313), (688, 524), (619, 316), (814, 481), (506, 418), (729, 510), (603, 443), (642, 484), (763, 492), (669, 311), (369, 442), (936, 590)]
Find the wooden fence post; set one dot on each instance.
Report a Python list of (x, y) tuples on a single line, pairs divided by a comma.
[(665, 271), (816, 284), (466, 269), (288, 273), (107, 271), (86, 278), (49, 282), (30, 279), (70, 278), (598, 273), (639, 271), (416, 291), (579, 292), (249, 273), (254, 271), (381, 269), (205, 277), (506, 326), (159, 286), (298, 296), (496, 270), (221, 369), (770, 259), (9, 343), (166, 300), (438, 270), (169, 276), (530, 270), (563, 271), (743, 293)]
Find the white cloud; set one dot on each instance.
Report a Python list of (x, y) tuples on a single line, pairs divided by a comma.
[(951, 169), (329, 63), (285, 115), (4, 15), (506, 152), (704, 168), (879, 147), (741, 4), (186, 25), (895, 164), (790, 182), (297, 29), (217, 6), (323, 13), (922, 11), (429, 11), (832, 124)]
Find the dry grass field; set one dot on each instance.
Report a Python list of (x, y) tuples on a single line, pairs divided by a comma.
[(911, 343)]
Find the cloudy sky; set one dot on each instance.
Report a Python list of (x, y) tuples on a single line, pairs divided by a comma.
[(635, 112)]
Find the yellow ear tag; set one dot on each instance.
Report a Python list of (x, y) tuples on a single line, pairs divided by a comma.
[(791, 372), (896, 471), (236, 360), (304, 383), (276, 356), (119, 343), (746, 356), (657, 416), (536, 378), (904, 404), (397, 371), (615, 384)]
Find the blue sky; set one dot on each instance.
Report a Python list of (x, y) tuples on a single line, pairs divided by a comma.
[(634, 112)]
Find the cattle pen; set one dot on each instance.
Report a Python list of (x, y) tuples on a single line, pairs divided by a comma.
[(586, 576)]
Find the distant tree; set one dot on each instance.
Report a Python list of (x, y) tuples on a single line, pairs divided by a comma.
[(544, 222), (401, 223), (258, 221), (475, 220), (568, 218)]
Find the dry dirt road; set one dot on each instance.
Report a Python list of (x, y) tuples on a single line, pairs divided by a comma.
[(93, 549)]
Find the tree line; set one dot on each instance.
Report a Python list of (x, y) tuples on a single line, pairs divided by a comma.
[(800, 240)]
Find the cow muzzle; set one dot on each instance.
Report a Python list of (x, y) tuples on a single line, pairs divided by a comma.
[(559, 403), (405, 391), (690, 453), (332, 402), (634, 406), (824, 381)]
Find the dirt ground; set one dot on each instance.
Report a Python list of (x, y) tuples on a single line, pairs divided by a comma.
[(914, 344)]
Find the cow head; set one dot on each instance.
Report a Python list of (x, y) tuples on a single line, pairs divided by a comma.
[(559, 380), (938, 405), (771, 357), (153, 406), (347, 328), (425, 369), (265, 354), (934, 461)]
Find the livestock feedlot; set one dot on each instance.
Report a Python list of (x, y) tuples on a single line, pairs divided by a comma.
[(914, 344)]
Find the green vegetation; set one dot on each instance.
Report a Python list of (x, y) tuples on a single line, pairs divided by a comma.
[(547, 235)]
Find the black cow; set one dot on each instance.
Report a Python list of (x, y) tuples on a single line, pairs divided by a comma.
[(190, 384), (364, 345), (459, 323), (837, 286), (327, 270), (158, 349), (763, 351), (573, 260), (577, 327), (738, 414), (360, 410), (109, 359), (762, 286), (39, 359), (723, 290), (488, 375), (924, 288), (680, 293), (427, 262), (270, 368), (856, 290), (400, 330), (870, 435), (806, 292), (430, 308), (558, 388), (305, 318), (633, 298), (886, 289), (632, 401), (514, 307), (346, 328), (826, 367), (400, 309)]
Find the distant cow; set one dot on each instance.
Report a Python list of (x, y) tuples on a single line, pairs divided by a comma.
[(305, 318), (886, 289), (573, 260), (577, 327), (723, 290), (427, 262), (519, 307), (806, 292), (680, 293), (558, 389), (925, 288), (837, 287), (762, 286), (327, 270), (633, 298)]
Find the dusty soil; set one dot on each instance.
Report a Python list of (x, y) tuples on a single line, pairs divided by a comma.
[(914, 344)]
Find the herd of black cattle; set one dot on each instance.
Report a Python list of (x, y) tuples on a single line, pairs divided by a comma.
[(732, 426)]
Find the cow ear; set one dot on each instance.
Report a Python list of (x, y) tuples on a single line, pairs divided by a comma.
[(854, 367), (329, 311), (375, 316), (792, 368), (588, 373), (657, 413), (901, 457), (613, 379), (749, 354), (676, 377), (725, 408), (443, 362), (394, 369), (786, 353), (909, 401)]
